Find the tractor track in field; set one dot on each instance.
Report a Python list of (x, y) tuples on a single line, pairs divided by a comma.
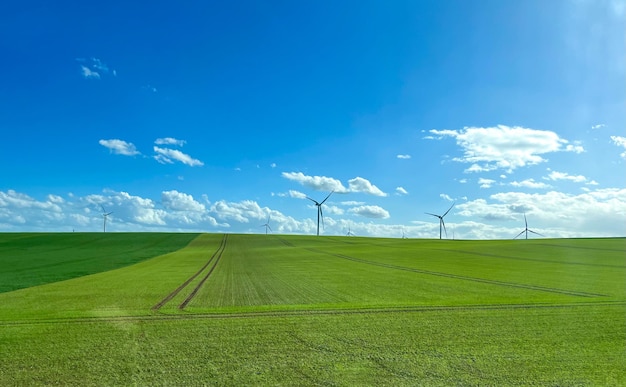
[(533, 259), (286, 242), (218, 255), (312, 313), (454, 276), (460, 277), (173, 294)]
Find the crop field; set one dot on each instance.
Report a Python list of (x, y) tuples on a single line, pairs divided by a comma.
[(229, 309)]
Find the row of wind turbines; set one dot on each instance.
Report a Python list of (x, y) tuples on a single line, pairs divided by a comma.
[(320, 215), (442, 224)]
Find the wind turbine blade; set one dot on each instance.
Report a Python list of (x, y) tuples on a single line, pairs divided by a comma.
[(314, 201), (525, 221), (444, 226), (535, 233), (331, 192), (435, 215), (103, 210), (520, 234), (268, 226), (446, 213), (321, 215)]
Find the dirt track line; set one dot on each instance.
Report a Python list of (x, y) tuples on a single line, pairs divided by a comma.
[(173, 294), (533, 259), (286, 242), (314, 312), (461, 277), (218, 255)]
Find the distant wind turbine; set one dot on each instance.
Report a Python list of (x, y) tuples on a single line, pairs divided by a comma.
[(441, 222), (526, 229), (403, 236), (267, 225), (319, 211), (350, 233), (105, 214)]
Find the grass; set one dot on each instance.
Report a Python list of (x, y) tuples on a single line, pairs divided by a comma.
[(31, 259), (293, 310)]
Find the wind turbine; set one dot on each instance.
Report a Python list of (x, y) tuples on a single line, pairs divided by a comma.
[(350, 233), (441, 222), (267, 225), (403, 236), (319, 211), (526, 230), (105, 214)]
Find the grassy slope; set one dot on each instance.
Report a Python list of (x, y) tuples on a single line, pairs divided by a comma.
[(30, 259), (131, 290), (576, 345), (262, 273), (417, 326)]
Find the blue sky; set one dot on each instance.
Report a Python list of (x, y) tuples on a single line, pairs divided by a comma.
[(206, 116)]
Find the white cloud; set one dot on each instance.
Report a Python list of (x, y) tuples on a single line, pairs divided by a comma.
[(529, 183), (169, 141), (120, 147), (554, 175), (446, 197), (554, 214), (178, 201), (404, 157), (23, 202), (485, 183), (333, 210), (351, 203), (55, 199), (318, 183), (165, 155), (163, 160), (273, 165), (401, 191), (239, 211), (323, 183), (359, 184), (93, 68), (370, 212), (557, 214), (577, 148), (97, 64), (620, 141), (296, 194), (87, 73), (598, 126), (504, 147), (292, 194)]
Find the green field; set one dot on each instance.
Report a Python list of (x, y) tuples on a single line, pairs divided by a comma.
[(174, 309)]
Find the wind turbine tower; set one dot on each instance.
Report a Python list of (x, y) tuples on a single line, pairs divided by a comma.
[(526, 229), (105, 215), (442, 224), (267, 225), (319, 211)]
